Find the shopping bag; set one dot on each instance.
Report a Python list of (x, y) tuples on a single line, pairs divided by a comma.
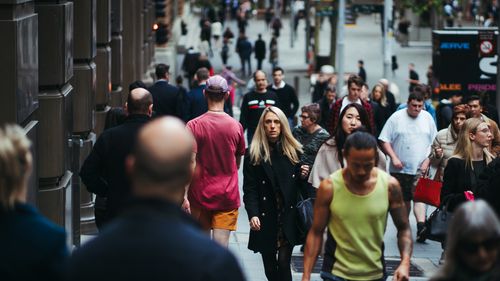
[(428, 191)]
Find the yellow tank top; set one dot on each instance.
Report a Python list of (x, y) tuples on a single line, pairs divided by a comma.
[(357, 225)]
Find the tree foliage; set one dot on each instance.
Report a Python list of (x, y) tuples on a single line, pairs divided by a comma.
[(421, 6)]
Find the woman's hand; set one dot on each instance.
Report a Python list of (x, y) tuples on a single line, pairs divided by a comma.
[(304, 171), (255, 223), (438, 151)]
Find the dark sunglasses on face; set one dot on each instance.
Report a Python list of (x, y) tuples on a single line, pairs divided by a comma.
[(473, 247), (303, 116)]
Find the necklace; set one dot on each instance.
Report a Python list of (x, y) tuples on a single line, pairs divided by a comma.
[(220, 110)]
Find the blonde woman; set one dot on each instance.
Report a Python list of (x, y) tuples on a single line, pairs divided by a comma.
[(470, 158), (32, 247), (383, 110), (270, 187)]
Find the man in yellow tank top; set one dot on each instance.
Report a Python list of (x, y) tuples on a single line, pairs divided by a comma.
[(354, 203)]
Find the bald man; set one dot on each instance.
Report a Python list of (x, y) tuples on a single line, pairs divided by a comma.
[(154, 239), (103, 172)]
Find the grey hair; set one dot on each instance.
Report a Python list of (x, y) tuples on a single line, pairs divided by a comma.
[(469, 220)]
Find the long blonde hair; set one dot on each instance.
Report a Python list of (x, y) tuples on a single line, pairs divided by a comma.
[(463, 149), (383, 96), (15, 163), (259, 148)]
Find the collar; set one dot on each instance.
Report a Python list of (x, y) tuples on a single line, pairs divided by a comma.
[(148, 205), (280, 86), (162, 80), (137, 118)]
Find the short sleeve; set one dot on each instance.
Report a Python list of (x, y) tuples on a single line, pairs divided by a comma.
[(386, 133)]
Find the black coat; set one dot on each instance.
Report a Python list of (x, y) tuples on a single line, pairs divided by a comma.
[(153, 240), (457, 179), (260, 49), (167, 99), (103, 172), (488, 186), (31, 247), (259, 185)]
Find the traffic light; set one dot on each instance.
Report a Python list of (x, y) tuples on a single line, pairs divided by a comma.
[(161, 33), (160, 6)]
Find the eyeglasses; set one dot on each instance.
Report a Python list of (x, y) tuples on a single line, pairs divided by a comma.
[(473, 247), (303, 116)]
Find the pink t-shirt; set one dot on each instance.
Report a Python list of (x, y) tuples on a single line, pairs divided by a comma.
[(219, 139)]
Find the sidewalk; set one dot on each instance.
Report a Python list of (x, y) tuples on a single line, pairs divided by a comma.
[(363, 41)]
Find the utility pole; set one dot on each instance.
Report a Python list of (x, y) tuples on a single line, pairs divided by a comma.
[(340, 45), (307, 15), (387, 50)]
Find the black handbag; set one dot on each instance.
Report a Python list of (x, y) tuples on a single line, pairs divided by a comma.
[(305, 214), (437, 224)]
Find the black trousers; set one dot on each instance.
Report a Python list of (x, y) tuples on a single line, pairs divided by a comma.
[(277, 264)]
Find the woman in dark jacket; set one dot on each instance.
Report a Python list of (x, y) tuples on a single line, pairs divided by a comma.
[(471, 156), (31, 247), (270, 189)]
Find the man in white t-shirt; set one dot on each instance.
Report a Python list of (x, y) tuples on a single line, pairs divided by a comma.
[(407, 137)]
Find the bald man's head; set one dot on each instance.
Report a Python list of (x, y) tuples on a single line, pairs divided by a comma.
[(139, 101), (162, 157)]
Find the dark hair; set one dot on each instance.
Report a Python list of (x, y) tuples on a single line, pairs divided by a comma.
[(277, 68), (314, 111), (475, 97), (202, 74), (161, 70), (361, 62), (179, 79), (423, 89), (415, 95), (356, 80), (361, 140), (215, 94), (137, 84), (140, 105), (340, 136)]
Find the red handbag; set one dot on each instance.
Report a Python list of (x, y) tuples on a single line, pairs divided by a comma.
[(428, 191)]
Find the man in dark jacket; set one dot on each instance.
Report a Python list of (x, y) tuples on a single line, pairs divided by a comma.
[(326, 104), (154, 239), (244, 49), (254, 103), (166, 98), (260, 51), (288, 101), (103, 172), (489, 183)]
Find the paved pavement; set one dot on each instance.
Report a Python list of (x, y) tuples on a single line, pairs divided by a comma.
[(363, 41)]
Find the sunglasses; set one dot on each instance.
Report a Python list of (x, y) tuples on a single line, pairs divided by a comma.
[(303, 116), (473, 247)]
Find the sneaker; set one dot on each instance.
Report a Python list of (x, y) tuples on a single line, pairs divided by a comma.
[(421, 235), (441, 260)]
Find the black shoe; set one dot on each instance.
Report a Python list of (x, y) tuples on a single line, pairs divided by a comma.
[(421, 232)]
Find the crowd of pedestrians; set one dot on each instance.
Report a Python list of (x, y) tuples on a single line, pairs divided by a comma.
[(166, 168)]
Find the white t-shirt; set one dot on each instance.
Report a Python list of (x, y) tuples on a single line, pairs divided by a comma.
[(346, 102), (410, 138)]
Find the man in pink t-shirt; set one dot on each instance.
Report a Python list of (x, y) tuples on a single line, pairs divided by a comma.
[(213, 195)]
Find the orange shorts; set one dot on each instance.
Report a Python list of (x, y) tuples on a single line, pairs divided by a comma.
[(216, 219)]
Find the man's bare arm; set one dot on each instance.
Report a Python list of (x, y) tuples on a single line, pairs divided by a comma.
[(314, 239), (399, 216), (396, 162)]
